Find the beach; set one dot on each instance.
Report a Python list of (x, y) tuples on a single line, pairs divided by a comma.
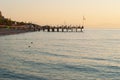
[(5, 31), (10, 30)]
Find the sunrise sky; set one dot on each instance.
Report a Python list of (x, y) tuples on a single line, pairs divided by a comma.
[(98, 13)]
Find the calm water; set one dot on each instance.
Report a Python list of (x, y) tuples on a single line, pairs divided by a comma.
[(92, 55)]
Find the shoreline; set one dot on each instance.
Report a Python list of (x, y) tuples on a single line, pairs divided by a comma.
[(5, 31)]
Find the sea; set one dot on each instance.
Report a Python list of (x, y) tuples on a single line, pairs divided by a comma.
[(93, 54)]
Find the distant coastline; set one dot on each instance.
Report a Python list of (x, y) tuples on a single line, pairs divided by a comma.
[(8, 26)]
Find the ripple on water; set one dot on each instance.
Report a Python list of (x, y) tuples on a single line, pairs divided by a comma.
[(9, 75), (93, 55)]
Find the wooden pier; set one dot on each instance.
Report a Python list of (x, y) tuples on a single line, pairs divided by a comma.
[(62, 28)]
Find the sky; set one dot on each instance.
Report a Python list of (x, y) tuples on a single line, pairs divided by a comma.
[(98, 13)]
